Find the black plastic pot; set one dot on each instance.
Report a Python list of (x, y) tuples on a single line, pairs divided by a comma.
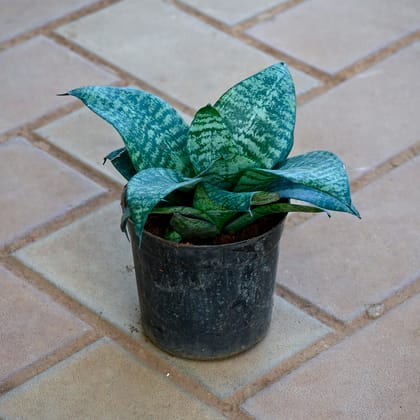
[(206, 302)]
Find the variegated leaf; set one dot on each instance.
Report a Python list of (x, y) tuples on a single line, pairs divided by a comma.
[(121, 162), (317, 177), (153, 132), (260, 113), (150, 186)]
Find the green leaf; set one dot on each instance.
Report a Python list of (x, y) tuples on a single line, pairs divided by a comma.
[(317, 177), (214, 212), (258, 212), (189, 227), (150, 186), (153, 132), (260, 113), (229, 200), (121, 162), (212, 149)]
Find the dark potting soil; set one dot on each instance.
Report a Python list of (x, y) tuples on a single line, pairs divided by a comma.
[(157, 224)]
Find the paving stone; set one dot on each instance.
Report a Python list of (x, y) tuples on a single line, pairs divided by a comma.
[(332, 35), (91, 261), (86, 137), (33, 72), (103, 381), (343, 264), (291, 331), (19, 16), (35, 188), (367, 119), (234, 11), (165, 47), (31, 325), (371, 375)]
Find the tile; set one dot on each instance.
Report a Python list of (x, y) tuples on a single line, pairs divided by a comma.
[(86, 137), (35, 188), (24, 15), (103, 381), (371, 375), (344, 264), (91, 261), (332, 35), (234, 11), (171, 50), (291, 331), (367, 119), (33, 72), (31, 325)]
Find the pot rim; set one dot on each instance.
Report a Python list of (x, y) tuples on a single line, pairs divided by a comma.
[(204, 246)]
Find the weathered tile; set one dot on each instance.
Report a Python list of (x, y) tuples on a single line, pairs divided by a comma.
[(332, 35), (31, 325), (344, 264), (35, 188), (91, 261), (86, 137), (19, 16), (33, 72), (233, 11), (178, 54), (103, 381), (367, 119), (372, 375), (291, 331)]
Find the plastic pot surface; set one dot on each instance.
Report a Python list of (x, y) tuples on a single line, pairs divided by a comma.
[(206, 302)]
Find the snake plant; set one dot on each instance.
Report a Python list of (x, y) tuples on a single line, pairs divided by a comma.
[(226, 170)]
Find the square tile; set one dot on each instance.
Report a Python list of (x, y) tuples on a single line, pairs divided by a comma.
[(372, 375), (332, 35), (233, 11), (31, 325), (19, 16), (91, 261), (34, 72), (343, 264), (86, 137), (35, 188), (367, 119), (171, 50), (103, 381)]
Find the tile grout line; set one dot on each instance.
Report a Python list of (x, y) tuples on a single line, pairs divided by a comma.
[(135, 348), (100, 328)]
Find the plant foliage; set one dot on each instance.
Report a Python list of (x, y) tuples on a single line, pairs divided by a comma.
[(226, 170)]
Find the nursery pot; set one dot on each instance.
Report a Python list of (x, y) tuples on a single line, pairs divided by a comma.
[(206, 301)]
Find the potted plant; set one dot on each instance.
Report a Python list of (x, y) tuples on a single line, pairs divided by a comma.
[(205, 206)]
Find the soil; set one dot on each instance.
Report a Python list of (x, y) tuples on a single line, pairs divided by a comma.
[(157, 224)]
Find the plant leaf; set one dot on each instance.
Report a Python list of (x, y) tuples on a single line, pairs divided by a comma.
[(216, 213), (317, 177), (150, 186), (212, 149), (260, 113), (189, 227), (153, 132), (258, 212), (121, 162)]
